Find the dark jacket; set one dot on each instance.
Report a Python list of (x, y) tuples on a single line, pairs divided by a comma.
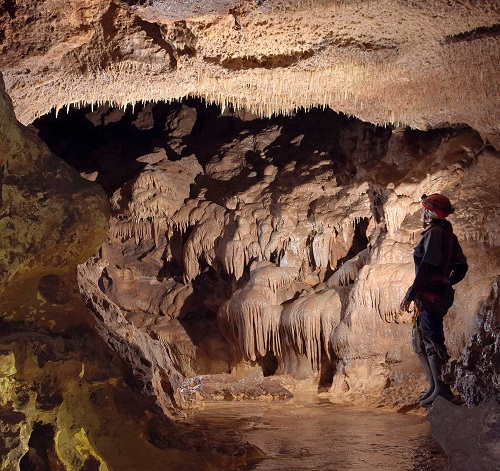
[(439, 260)]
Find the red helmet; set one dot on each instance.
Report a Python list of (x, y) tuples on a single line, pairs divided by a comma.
[(438, 204)]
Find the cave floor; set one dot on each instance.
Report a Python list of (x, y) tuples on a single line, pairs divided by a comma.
[(297, 435)]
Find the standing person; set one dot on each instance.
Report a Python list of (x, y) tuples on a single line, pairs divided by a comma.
[(439, 264)]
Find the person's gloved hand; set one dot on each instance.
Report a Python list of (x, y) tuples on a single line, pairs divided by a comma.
[(405, 305)]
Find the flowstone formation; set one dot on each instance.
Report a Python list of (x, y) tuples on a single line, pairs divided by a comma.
[(277, 247), (67, 400)]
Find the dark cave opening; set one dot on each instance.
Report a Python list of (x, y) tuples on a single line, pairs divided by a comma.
[(359, 242), (328, 367), (109, 140), (269, 363), (41, 455)]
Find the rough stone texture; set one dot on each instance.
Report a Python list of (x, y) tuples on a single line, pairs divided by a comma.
[(476, 372), (277, 246), (51, 218), (67, 400), (282, 246), (424, 64), (227, 387), (470, 437)]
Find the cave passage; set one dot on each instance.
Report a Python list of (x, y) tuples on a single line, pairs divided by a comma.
[(197, 198)]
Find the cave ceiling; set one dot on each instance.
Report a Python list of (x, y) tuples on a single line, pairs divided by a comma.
[(423, 64)]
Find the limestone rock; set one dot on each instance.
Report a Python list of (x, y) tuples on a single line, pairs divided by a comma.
[(470, 437), (227, 387), (7, 365), (293, 239), (420, 64), (180, 122), (50, 212), (476, 372), (67, 400)]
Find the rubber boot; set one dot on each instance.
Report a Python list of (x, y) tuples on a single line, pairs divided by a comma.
[(440, 388), (428, 373)]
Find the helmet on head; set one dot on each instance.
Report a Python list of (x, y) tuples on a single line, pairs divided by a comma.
[(437, 205)]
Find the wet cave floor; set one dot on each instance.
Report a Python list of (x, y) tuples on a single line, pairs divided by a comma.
[(322, 436)]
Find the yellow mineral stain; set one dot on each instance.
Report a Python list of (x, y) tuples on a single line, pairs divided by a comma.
[(74, 451)]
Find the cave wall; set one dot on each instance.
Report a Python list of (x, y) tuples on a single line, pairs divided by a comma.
[(280, 233), (279, 246), (67, 400), (282, 246), (240, 249)]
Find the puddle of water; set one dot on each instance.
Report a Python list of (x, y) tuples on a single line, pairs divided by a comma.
[(322, 436)]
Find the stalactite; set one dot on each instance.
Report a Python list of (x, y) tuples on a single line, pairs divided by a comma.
[(358, 75), (382, 287), (278, 278), (252, 321), (396, 210), (252, 315), (156, 194), (136, 229), (349, 271), (307, 324), (321, 248), (207, 222)]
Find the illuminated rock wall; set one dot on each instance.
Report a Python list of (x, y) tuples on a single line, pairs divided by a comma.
[(283, 246), (67, 400)]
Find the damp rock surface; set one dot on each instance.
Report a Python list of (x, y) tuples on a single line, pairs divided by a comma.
[(470, 437)]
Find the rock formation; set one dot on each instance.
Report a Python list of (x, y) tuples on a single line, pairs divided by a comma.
[(475, 371), (423, 64), (468, 436), (284, 246), (234, 236), (67, 400)]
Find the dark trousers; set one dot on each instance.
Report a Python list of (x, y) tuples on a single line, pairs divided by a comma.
[(428, 333)]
